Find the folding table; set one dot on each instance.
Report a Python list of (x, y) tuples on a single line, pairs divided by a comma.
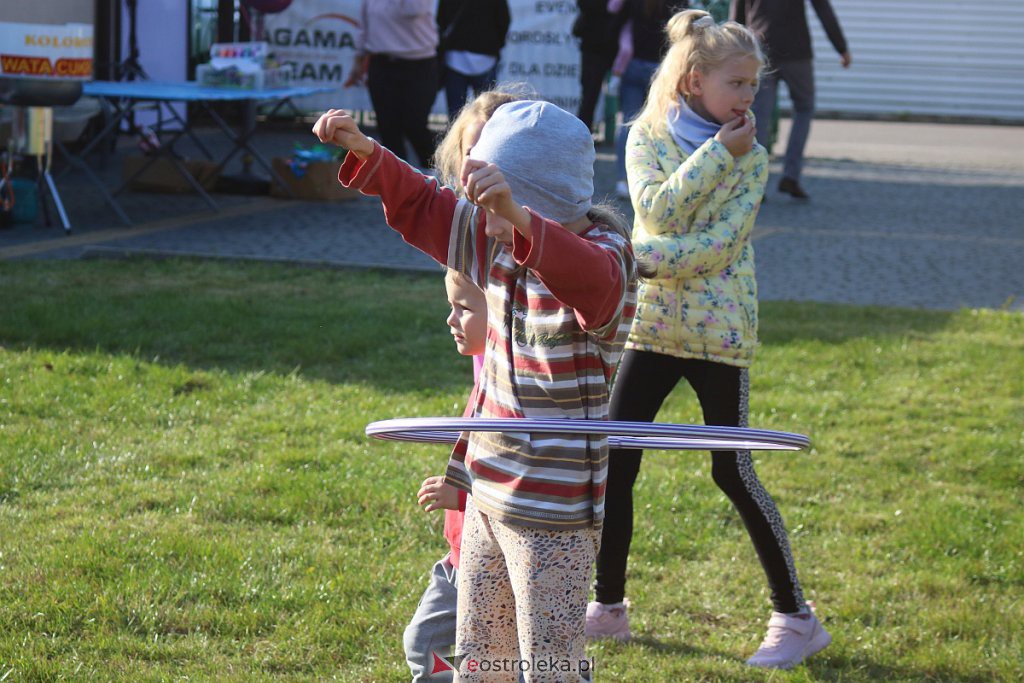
[(124, 96)]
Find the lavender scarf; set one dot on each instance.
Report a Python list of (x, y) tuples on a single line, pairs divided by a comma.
[(688, 128)]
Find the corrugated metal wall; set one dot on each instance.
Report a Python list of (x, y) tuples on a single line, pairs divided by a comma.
[(925, 57)]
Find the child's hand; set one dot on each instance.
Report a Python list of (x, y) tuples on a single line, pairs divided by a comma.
[(486, 187), (337, 127), (737, 135), (437, 495)]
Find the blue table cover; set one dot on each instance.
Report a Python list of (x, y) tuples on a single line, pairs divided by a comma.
[(191, 91)]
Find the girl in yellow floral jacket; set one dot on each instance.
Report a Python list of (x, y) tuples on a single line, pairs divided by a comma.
[(696, 179)]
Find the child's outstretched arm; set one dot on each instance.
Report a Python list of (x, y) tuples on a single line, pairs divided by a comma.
[(712, 249), (414, 204)]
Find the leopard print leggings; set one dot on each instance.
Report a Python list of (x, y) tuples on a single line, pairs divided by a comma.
[(643, 382), (522, 601)]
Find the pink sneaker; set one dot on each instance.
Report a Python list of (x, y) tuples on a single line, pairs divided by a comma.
[(790, 640), (607, 621)]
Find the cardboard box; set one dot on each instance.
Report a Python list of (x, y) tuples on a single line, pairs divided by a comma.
[(319, 182), (162, 176)]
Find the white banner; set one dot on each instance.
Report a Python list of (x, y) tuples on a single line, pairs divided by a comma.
[(541, 51), (46, 50), (317, 39)]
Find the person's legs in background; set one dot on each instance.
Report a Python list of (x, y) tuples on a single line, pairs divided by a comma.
[(764, 108), (799, 77), (484, 81), (457, 85), (385, 85), (643, 382), (723, 392), (456, 88), (593, 68), (402, 92), (794, 632), (632, 93), (420, 92)]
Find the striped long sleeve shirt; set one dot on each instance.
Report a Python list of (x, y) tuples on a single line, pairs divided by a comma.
[(560, 307)]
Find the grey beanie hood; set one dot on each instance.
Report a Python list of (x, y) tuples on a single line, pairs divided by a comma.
[(546, 155)]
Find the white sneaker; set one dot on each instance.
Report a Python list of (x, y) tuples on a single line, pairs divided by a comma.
[(607, 621), (622, 190), (790, 640)]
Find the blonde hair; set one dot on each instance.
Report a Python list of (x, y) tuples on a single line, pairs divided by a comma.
[(607, 214), (449, 154), (696, 43), (459, 278)]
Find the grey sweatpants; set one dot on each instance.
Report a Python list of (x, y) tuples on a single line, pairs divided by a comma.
[(799, 78), (432, 628)]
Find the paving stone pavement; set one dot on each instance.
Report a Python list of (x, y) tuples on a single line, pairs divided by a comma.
[(902, 214)]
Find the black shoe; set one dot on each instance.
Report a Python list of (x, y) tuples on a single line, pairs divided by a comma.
[(792, 187)]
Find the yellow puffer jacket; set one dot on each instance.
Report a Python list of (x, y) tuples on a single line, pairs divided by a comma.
[(694, 217)]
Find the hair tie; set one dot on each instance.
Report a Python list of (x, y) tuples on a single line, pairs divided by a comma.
[(704, 22)]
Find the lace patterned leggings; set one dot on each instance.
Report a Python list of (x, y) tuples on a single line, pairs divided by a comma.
[(522, 601)]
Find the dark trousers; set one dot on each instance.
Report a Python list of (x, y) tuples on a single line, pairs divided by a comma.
[(402, 92), (593, 68), (457, 85), (643, 382)]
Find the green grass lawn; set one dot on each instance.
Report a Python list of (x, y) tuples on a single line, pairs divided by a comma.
[(186, 492)]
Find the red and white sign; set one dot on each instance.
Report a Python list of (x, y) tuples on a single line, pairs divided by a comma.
[(46, 50)]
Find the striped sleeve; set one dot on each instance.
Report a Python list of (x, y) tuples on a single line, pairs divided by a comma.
[(590, 272), (456, 473), (621, 319), (469, 249)]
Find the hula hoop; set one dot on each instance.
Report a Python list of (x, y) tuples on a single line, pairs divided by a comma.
[(621, 434)]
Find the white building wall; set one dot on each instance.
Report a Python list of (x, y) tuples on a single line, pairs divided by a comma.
[(923, 57)]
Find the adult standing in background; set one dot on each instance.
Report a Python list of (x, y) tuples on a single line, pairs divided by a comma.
[(782, 27), (472, 36), (647, 42), (396, 59), (597, 27)]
